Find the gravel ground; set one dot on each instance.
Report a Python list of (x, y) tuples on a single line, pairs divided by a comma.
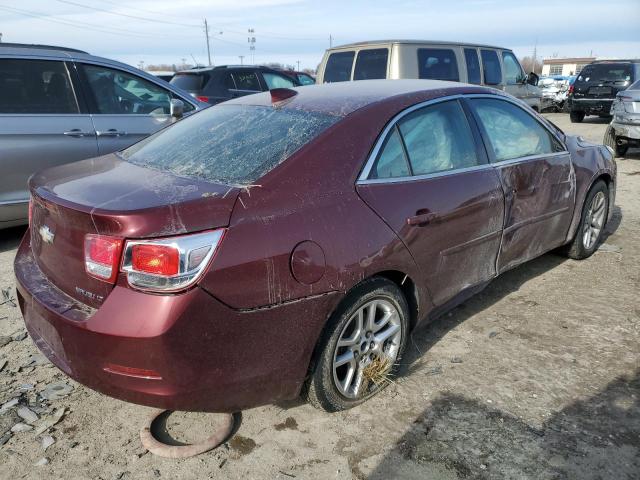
[(536, 377)]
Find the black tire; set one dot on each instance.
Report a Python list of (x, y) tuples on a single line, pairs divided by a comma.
[(621, 150), (576, 116), (320, 389), (577, 248)]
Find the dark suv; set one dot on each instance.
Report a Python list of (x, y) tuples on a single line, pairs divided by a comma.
[(217, 84), (597, 84)]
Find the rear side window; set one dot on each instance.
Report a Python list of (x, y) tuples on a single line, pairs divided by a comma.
[(473, 65), (305, 79), (512, 132), (438, 138), (191, 82), (230, 144), (513, 73), (606, 72), (391, 161), (247, 81), (371, 64), (273, 80), (438, 64), (35, 86), (338, 68), (491, 67)]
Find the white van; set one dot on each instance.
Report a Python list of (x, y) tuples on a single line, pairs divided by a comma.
[(495, 67)]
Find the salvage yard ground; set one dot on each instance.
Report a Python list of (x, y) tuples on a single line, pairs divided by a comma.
[(536, 377)]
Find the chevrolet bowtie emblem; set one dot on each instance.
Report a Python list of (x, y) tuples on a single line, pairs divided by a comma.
[(46, 234)]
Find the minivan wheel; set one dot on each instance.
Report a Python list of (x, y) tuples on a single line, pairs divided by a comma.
[(576, 116), (361, 346), (593, 219)]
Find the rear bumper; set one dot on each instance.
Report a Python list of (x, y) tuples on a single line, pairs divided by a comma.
[(208, 357), (626, 130), (592, 105)]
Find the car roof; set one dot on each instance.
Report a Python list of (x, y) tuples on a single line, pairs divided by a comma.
[(223, 67), (343, 98), (408, 41)]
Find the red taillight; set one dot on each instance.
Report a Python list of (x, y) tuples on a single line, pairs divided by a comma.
[(102, 256), (202, 98), (570, 89), (155, 259)]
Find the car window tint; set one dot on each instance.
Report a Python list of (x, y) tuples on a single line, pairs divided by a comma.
[(438, 138), (606, 72), (35, 86), (117, 92), (391, 161), (338, 68), (191, 82), (512, 132), (230, 144), (438, 64), (473, 65), (273, 80), (371, 64), (491, 67), (247, 81), (512, 71)]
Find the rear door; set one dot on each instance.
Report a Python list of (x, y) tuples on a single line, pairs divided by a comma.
[(42, 124), (491, 69), (432, 184), (125, 107), (537, 177)]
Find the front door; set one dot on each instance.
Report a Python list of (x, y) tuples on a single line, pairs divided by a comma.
[(537, 177), (433, 186), (125, 108), (40, 126)]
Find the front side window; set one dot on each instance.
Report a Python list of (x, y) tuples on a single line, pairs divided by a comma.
[(438, 64), (305, 79), (117, 92), (229, 144), (438, 138), (473, 66), (247, 81), (35, 86), (273, 80), (512, 132), (512, 71), (491, 67), (338, 68), (371, 64)]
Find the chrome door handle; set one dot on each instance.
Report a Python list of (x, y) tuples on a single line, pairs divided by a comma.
[(76, 132), (421, 219), (112, 132)]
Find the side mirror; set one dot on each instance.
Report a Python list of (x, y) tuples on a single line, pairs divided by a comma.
[(176, 108), (532, 79)]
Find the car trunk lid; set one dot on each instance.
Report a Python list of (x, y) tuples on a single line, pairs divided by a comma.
[(108, 196)]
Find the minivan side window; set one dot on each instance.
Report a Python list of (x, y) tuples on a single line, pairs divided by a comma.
[(513, 73), (338, 67), (36, 86), (491, 67), (438, 138), (512, 132), (473, 66), (118, 92), (438, 64), (371, 64)]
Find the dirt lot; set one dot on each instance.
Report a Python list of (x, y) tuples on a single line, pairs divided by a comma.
[(536, 377)]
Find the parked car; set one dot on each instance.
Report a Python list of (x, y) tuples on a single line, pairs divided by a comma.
[(495, 67), (598, 84), (219, 84), (302, 77), (59, 105), (554, 92), (165, 75), (624, 130), (248, 253)]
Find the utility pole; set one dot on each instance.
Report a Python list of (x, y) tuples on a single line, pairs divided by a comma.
[(206, 33), (535, 56), (298, 62), (0, 37), (252, 44), (241, 59), (330, 41)]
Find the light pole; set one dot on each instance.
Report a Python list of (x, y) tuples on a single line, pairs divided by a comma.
[(241, 59), (252, 44)]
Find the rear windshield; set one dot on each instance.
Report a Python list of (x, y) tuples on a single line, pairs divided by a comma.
[(371, 64), (606, 72), (188, 81), (229, 144)]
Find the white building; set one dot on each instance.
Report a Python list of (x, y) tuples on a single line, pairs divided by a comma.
[(564, 66)]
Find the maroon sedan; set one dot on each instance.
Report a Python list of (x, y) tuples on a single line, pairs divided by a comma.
[(290, 241)]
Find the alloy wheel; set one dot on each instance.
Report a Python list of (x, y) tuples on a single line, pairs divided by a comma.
[(594, 220)]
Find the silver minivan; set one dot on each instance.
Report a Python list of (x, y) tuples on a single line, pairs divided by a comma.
[(495, 67), (59, 105)]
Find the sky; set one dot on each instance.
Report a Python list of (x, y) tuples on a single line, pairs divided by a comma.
[(291, 31)]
